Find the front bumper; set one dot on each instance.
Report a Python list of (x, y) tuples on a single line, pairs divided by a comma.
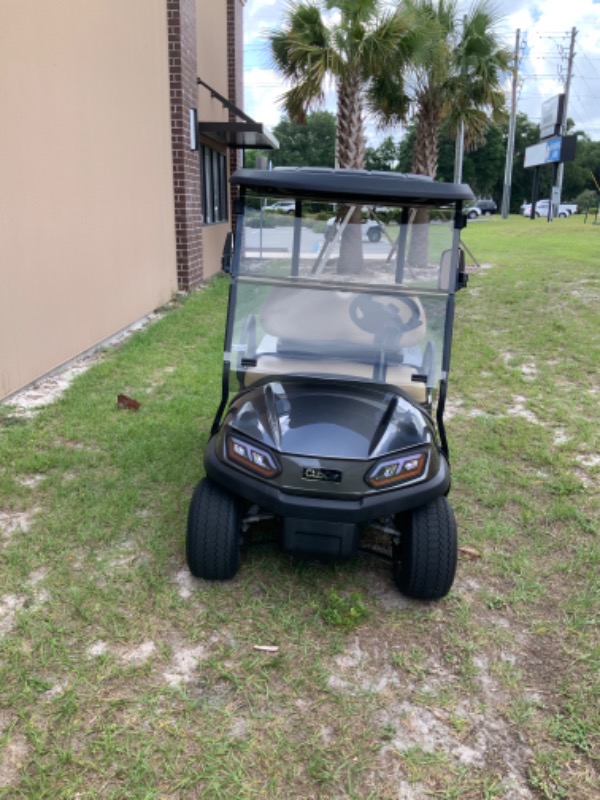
[(359, 510)]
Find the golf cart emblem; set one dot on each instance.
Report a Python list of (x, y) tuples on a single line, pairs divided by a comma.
[(330, 475)]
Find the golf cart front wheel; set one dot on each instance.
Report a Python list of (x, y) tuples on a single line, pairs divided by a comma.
[(425, 559), (213, 533)]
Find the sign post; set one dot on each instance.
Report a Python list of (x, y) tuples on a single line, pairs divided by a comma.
[(553, 149)]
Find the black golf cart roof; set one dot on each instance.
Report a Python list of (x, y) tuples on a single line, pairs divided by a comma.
[(357, 186)]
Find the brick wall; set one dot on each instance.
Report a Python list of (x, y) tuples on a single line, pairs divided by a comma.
[(183, 72), (235, 62)]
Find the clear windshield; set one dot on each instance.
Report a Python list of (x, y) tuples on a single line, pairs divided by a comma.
[(344, 293)]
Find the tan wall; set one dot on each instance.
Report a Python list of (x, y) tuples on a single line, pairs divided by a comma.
[(211, 36), (87, 241)]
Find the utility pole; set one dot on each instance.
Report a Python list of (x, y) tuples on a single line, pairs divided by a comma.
[(459, 149), (561, 167), (510, 145)]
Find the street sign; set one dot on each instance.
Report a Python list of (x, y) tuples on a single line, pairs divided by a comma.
[(552, 116), (551, 151)]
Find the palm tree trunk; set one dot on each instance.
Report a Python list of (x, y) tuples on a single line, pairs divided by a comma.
[(425, 153), (350, 128), (424, 162), (351, 155)]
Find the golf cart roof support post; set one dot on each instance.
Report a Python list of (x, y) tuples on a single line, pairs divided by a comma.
[(402, 239), (296, 241), (459, 223), (237, 250), (440, 419)]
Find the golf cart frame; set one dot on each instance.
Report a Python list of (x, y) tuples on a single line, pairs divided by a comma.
[(334, 384)]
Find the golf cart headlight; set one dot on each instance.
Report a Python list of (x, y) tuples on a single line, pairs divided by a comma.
[(253, 458), (397, 470)]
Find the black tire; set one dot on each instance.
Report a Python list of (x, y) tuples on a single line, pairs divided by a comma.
[(374, 235), (472, 215), (213, 533), (425, 559), (563, 214)]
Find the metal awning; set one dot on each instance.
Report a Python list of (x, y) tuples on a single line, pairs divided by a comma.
[(240, 135)]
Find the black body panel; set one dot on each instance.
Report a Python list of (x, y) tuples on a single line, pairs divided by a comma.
[(328, 418), (310, 506), (326, 437)]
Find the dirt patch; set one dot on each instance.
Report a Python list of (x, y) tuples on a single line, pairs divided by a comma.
[(187, 584), (560, 437), (30, 481), (529, 371), (13, 758), (136, 655), (16, 522), (184, 663), (49, 389), (97, 649), (519, 409), (10, 605), (468, 733)]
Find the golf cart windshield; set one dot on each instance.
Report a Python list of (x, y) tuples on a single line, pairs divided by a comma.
[(345, 291)]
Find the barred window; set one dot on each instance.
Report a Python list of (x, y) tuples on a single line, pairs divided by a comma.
[(214, 185)]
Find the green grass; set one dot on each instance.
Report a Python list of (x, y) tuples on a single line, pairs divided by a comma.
[(121, 677)]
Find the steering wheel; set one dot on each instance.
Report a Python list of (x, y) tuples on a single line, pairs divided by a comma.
[(377, 316)]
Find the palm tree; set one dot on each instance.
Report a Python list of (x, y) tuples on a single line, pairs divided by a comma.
[(453, 72), (451, 67), (349, 42)]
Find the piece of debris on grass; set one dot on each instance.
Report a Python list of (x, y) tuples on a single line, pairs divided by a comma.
[(266, 648), (127, 402), (470, 552)]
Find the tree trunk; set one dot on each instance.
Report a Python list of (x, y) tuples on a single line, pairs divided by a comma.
[(351, 155), (424, 162)]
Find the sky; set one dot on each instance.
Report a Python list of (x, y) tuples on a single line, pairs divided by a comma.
[(545, 27)]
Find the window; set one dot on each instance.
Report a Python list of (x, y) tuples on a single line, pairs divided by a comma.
[(214, 185)]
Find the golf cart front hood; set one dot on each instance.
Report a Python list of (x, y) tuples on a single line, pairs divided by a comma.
[(329, 419)]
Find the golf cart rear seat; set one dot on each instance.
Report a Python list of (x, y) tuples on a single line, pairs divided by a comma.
[(328, 338)]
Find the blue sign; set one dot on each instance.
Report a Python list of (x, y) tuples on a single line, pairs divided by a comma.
[(553, 150)]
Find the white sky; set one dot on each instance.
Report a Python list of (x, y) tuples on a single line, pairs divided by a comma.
[(545, 29)]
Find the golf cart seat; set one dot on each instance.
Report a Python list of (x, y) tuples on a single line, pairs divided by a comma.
[(316, 331)]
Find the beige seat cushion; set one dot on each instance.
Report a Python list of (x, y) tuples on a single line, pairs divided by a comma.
[(323, 315), (397, 375), (319, 320)]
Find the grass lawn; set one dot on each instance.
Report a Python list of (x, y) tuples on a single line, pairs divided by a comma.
[(123, 677)]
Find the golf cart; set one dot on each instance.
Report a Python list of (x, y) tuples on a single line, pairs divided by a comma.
[(335, 375)]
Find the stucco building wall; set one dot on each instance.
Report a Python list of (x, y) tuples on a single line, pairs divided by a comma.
[(101, 216), (87, 241)]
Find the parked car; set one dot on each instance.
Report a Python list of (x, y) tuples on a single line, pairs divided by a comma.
[(282, 207), (371, 230), (542, 207), (481, 207)]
